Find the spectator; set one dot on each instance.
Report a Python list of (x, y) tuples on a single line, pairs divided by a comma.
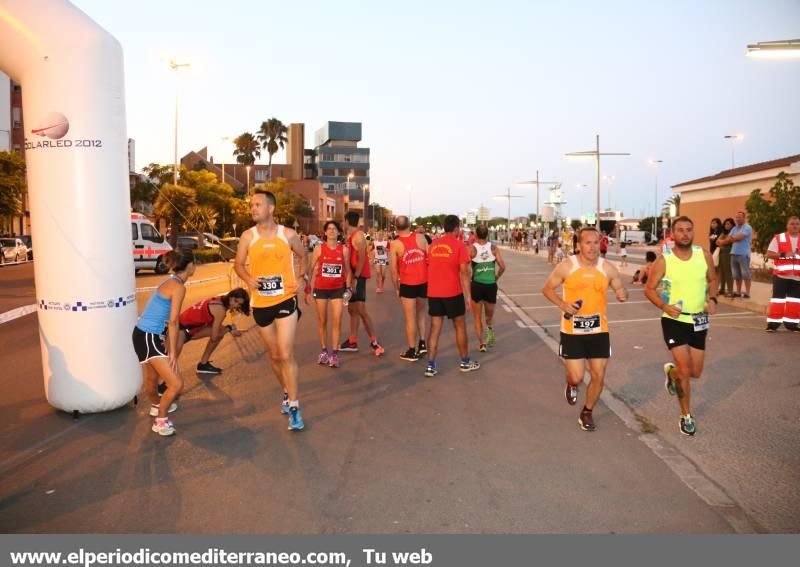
[(784, 251), (641, 275), (725, 270), (741, 237), (604, 245), (714, 231), (623, 252)]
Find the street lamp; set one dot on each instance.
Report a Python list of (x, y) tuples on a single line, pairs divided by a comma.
[(733, 138), (596, 153), (175, 67), (655, 163), (222, 157), (785, 49), (538, 184), (247, 169)]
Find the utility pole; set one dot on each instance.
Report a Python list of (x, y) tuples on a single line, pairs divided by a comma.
[(538, 184)]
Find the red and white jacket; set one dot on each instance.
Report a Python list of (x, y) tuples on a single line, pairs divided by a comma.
[(789, 265)]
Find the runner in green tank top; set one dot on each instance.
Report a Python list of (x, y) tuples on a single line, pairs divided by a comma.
[(683, 285), (487, 267)]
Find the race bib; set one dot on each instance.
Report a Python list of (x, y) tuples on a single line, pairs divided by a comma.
[(587, 324), (332, 270), (270, 286), (700, 321)]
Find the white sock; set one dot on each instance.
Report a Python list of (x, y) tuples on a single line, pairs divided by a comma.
[(294, 404)]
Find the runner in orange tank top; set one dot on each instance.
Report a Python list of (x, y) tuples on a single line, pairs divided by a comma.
[(585, 279), (269, 258)]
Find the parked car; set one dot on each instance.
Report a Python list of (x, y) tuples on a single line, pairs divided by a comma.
[(28, 241), (13, 250), (188, 243), (228, 247)]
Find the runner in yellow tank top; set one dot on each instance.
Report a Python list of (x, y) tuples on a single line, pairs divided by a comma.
[(585, 279), (268, 258), (683, 286)]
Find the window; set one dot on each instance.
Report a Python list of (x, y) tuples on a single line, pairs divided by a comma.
[(134, 232), (346, 158), (16, 117), (328, 172), (326, 157), (360, 172), (150, 233)]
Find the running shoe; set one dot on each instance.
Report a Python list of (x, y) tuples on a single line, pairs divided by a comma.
[(295, 419), (347, 346), (379, 290), (483, 347), (586, 421), (208, 368), (571, 394), (469, 366), (422, 348), (772, 328), (376, 346), (687, 425), (285, 407), (323, 358), (163, 427), (431, 371), (154, 409), (333, 360), (410, 355), (490, 336), (669, 382)]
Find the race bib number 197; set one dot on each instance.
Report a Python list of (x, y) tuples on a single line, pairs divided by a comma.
[(270, 286), (587, 324)]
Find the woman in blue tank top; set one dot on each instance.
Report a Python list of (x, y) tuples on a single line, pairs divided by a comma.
[(162, 313)]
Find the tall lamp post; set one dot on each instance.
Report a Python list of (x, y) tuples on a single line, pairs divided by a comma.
[(247, 169), (655, 163), (733, 139), (538, 184), (222, 160), (366, 206), (508, 196), (175, 67), (596, 153), (784, 49)]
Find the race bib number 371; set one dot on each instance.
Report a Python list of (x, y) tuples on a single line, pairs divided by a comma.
[(270, 286)]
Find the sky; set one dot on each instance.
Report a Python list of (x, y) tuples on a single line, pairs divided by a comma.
[(461, 100)]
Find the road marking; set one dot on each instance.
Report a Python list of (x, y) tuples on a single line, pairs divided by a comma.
[(14, 314), (507, 308), (711, 493)]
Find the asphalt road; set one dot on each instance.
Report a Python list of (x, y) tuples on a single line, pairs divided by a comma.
[(386, 450)]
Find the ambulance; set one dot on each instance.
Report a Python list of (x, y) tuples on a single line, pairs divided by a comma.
[(149, 247)]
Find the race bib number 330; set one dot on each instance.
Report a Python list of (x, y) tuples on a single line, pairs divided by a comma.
[(270, 286)]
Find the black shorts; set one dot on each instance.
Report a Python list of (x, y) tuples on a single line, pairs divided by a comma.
[(450, 307), (337, 293), (148, 345), (265, 316), (580, 347), (414, 291), (678, 333), (360, 291), (483, 292)]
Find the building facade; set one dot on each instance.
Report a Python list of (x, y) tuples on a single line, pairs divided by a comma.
[(12, 138), (723, 194)]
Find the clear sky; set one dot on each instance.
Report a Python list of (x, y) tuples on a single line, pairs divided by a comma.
[(460, 99)]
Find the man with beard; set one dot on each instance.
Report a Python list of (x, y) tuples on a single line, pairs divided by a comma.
[(687, 297)]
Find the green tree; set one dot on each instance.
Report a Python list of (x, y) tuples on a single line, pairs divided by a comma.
[(768, 216), (673, 200), (247, 149), (173, 203), (272, 136), (202, 218), (239, 211), (289, 205), (143, 192), (159, 174), (12, 183)]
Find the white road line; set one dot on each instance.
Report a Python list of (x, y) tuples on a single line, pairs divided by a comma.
[(507, 308), (28, 309), (684, 469)]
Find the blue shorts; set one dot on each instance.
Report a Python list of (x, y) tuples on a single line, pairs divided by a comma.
[(740, 267)]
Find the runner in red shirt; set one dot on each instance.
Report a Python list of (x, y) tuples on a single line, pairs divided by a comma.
[(408, 261), (356, 307), (448, 282)]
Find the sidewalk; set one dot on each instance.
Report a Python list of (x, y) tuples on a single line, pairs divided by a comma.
[(760, 293)]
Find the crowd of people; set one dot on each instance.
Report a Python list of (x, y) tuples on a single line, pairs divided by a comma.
[(438, 278)]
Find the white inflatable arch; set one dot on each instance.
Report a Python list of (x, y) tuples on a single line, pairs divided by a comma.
[(72, 82)]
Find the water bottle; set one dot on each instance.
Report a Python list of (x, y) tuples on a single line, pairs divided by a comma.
[(346, 297), (577, 305), (679, 305)]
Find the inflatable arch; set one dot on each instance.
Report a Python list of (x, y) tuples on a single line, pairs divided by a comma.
[(72, 81)]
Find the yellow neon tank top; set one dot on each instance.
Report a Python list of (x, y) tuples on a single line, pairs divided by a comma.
[(272, 265), (589, 285), (686, 281)]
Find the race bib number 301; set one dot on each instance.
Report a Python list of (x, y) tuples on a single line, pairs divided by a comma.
[(587, 324), (332, 270), (270, 286)]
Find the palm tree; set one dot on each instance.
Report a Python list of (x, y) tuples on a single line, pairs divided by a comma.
[(674, 199), (272, 136), (247, 149)]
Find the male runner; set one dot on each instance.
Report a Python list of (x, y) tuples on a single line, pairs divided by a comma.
[(487, 267), (357, 308), (381, 259), (688, 296), (408, 262), (448, 282), (275, 254), (584, 327)]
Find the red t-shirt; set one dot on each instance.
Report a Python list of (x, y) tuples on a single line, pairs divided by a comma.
[(199, 316), (354, 259), (412, 265), (330, 267), (445, 257)]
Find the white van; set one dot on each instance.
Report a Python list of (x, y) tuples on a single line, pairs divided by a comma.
[(149, 247), (635, 237)]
